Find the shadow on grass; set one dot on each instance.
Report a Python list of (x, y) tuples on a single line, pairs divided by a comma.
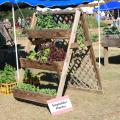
[(8, 55), (33, 103), (49, 77), (111, 59)]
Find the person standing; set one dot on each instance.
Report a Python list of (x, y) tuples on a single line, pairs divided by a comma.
[(19, 21), (23, 23)]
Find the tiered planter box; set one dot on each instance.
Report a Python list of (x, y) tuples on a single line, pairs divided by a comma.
[(6, 88), (54, 66), (31, 96), (49, 33), (36, 37)]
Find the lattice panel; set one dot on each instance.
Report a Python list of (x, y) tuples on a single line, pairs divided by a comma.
[(68, 19), (82, 73)]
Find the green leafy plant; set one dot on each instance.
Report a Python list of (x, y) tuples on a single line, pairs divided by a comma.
[(28, 74), (32, 55), (92, 22), (111, 30), (8, 74), (43, 55), (94, 37), (28, 87), (47, 21), (80, 37), (30, 78)]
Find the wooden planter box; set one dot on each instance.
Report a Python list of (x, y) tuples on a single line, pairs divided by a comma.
[(55, 66), (49, 33), (31, 96), (6, 88), (110, 41)]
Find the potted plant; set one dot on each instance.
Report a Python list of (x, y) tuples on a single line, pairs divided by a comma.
[(7, 79)]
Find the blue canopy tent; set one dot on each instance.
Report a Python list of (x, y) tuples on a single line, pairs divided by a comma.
[(108, 6), (45, 3)]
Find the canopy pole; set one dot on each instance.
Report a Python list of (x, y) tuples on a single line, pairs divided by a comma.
[(99, 31), (15, 40), (118, 13)]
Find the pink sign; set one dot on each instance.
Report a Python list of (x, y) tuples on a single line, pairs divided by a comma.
[(60, 105)]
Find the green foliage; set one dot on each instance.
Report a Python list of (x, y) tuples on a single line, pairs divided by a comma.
[(111, 30), (43, 55), (63, 26), (48, 91), (92, 22), (47, 21), (103, 24), (80, 37), (94, 37), (28, 74), (27, 12), (32, 54), (28, 87), (8, 74)]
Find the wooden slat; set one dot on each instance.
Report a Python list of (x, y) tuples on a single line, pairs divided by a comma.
[(88, 42), (93, 60), (34, 20), (49, 33), (110, 42), (106, 56), (86, 89), (55, 66), (74, 46), (69, 53), (31, 96)]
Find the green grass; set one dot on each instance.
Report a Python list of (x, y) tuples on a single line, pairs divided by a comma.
[(92, 22)]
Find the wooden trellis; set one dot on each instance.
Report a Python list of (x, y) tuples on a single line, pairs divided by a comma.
[(83, 72), (79, 66)]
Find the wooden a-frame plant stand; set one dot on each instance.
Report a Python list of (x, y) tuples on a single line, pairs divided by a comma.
[(61, 68)]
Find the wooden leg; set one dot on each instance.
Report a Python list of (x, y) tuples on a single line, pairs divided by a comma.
[(105, 56), (21, 74)]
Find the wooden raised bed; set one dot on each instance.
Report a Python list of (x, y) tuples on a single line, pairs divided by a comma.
[(55, 66), (31, 96), (110, 41)]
